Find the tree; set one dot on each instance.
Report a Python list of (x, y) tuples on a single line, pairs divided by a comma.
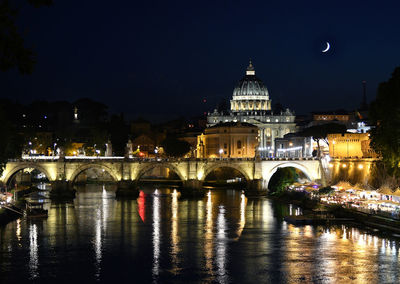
[(282, 178), (13, 51), (174, 147), (320, 132), (118, 131), (385, 115), (11, 141)]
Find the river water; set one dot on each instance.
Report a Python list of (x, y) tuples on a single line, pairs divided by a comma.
[(162, 238)]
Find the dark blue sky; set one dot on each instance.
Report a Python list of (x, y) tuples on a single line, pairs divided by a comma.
[(161, 58)]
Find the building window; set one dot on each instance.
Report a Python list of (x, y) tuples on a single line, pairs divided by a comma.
[(225, 145), (239, 152), (239, 144), (225, 152)]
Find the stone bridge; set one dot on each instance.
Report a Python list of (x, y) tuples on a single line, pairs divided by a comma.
[(62, 172)]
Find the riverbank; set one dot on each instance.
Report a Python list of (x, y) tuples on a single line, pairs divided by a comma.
[(334, 213)]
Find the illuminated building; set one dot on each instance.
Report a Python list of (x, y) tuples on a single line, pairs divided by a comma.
[(292, 146), (251, 104), (228, 140), (350, 145), (336, 116)]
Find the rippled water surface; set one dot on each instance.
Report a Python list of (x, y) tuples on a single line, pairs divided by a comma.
[(160, 237)]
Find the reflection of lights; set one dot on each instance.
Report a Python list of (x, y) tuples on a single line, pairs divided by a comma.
[(33, 251), (242, 221), (156, 234), (97, 241), (208, 248), (18, 232), (308, 232), (142, 205), (221, 246), (174, 228)]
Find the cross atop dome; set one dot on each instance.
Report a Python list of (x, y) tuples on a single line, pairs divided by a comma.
[(250, 69)]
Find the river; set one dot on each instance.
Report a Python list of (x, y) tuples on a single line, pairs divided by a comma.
[(162, 238)]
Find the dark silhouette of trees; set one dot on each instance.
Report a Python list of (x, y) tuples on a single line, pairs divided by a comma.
[(174, 147), (320, 132), (385, 115), (13, 50), (282, 178), (118, 131), (11, 141)]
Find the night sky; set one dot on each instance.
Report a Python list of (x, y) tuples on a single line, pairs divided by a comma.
[(160, 59)]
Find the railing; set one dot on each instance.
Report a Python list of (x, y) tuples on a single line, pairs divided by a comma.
[(137, 159)]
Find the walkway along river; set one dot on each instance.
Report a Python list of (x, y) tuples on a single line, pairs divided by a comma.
[(224, 237)]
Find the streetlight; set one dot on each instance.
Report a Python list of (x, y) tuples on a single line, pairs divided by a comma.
[(220, 153)]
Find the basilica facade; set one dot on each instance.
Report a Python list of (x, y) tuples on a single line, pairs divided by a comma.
[(251, 103)]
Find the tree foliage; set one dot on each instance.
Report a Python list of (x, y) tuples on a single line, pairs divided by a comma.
[(320, 132), (385, 115), (282, 178), (11, 141), (13, 50), (326, 190), (174, 147)]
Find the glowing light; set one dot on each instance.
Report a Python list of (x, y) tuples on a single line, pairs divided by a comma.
[(221, 246), (33, 251), (156, 234), (208, 247), (142, 205), (360, 167), (174, 230), (344, 165)]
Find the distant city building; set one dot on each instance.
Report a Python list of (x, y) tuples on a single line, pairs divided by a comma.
[(292, 146), (354, 121), (350, 145), (338, 116), (251, 104), (228, 140)]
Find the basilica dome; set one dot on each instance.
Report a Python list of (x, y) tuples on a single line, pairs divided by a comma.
[(250, 85), (250, 94)]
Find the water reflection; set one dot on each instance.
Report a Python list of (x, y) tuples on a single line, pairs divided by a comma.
[(209, 238), (174, 233), (33, 251), (221, 246), (222, 238), (156, 233)]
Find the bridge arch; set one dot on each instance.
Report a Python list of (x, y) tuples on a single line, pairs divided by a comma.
[(295, 165), (50, 174), (170, 166), (213, 167), (83, 168)]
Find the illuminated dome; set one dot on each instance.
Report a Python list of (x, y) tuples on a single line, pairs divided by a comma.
[(250, 94)]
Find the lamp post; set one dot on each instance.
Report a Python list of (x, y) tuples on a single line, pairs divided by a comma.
[(220, 153)]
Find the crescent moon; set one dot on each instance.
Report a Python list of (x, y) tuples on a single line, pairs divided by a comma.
[(328, 46)]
